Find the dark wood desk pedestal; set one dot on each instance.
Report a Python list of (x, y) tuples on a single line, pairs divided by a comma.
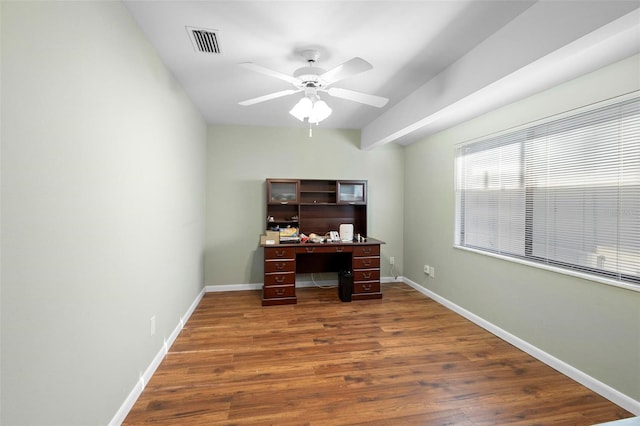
[(283, 261)]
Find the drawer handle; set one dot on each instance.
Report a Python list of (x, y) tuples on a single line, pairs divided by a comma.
[(280, 253), (281, 266), (366, 287), (279, 279), (366, 263), (366, 250), (339, 249), (310, 249), (366, 275), (279, 291)]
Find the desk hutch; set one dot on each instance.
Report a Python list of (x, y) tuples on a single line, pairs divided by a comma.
[(318, 206)]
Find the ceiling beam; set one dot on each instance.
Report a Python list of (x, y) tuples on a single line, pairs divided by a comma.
[(549, 43)]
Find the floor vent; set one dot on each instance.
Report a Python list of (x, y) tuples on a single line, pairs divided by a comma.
[(204, 40)]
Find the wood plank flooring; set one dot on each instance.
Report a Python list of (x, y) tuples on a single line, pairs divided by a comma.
[(404, 359)]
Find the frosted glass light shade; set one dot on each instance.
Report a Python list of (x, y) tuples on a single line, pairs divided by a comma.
[(302, 109), (314, 111), (319, 112)]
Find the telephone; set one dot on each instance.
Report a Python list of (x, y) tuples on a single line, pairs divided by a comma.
[(334, 236)]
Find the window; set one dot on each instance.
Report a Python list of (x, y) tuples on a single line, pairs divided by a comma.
[(564, 193)]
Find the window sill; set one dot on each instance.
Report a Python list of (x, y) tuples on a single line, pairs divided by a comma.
[(601, 280)]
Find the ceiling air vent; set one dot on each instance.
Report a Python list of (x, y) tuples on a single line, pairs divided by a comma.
[(204, 40)]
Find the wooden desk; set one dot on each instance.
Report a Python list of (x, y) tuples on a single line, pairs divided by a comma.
[(283, 261)]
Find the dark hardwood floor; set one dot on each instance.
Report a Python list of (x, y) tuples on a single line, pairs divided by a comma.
[(404, 359)]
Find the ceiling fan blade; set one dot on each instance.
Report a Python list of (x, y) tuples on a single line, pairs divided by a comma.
[(347, 69), (270, 72), (269, 97), (363, 98)]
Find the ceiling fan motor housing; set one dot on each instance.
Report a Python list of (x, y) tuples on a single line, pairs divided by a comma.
[(309, 76)]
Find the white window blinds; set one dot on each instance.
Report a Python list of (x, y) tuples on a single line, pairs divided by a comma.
[(564, 193)]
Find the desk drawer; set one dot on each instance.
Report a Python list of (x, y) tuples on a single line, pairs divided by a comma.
[(279, 266), (278, 291), (279, 253), (287, 278), (366, 262), (323, 249), (366, 287), (364, 251), (366, 275)]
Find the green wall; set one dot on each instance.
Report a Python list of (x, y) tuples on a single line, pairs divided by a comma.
[(240, 158), (592, 326), (103, 181)]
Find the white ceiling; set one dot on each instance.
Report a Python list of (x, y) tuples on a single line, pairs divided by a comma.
[(409, 44)]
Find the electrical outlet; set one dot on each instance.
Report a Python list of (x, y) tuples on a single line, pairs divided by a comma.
[(392, 260), (426, 269), (152, 325), (432, 272)]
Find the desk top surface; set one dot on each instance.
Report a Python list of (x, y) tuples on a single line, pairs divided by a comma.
[(368, 242)]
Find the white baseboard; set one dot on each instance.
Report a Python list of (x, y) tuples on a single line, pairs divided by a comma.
[(301, 284), (232, 287), (579, 376), (135, 393)]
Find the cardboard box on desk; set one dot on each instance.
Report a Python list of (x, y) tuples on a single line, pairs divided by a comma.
[(271, 238)]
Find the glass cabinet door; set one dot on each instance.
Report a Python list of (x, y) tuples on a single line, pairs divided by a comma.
[(352, 191), (280, 191)]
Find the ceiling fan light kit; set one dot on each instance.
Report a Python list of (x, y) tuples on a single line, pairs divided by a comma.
[(311, 80), (311, 107)]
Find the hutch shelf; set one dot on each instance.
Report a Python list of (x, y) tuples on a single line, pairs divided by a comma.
[(316, 205)]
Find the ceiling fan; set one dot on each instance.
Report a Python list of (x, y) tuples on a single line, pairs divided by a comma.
[(311, 80)]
